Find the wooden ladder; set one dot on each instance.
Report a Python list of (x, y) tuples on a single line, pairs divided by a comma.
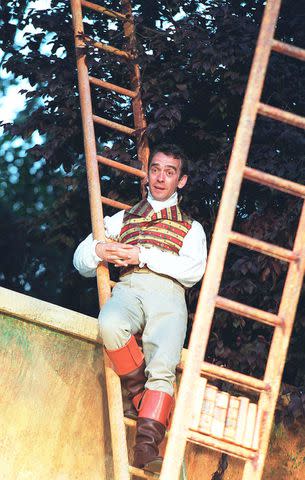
[(122, 469), (252, 443)]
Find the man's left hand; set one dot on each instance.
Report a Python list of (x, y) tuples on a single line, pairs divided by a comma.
[(131, 258)]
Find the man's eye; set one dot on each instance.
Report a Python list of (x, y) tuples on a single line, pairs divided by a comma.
[(170, 173)]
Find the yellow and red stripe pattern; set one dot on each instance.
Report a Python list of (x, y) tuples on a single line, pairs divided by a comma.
[(165, 229)]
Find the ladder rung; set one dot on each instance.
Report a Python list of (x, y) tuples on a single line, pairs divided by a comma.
[(114, 50), (220, 445), (249, 312), (121, 166), (112, 87), (113, 125), (262, 247), (222, 373), (114, 203), (275, 182), (281, 115), (105, 11), (289, 50), (142, 473)]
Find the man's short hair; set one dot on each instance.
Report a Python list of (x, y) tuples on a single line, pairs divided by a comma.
[(174, 151)]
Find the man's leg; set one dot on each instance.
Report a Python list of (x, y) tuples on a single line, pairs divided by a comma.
[(120, 318), (163, 338)]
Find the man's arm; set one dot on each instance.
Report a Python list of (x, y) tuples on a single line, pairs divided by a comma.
[(187, 267), (87, 256)]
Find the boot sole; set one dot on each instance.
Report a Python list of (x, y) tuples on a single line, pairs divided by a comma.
[(154, 466)]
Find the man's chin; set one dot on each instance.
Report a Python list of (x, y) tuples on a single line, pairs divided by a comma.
[(160, 196)]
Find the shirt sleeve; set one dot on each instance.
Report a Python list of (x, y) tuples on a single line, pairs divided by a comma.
[(188, 266), (85, 260)]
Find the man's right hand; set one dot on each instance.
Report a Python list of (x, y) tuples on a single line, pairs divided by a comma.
[(114, 252)]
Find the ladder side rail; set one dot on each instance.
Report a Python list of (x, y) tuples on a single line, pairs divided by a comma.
[(137, 105), (278, 350), (206, 303), (119, 444), (93, 176)]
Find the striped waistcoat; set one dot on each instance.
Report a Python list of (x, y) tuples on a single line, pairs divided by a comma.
[(165, 229)]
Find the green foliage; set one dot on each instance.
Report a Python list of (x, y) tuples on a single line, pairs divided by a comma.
[(194, 68)]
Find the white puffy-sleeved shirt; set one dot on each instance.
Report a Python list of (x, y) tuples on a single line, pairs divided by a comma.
[(187, 267)]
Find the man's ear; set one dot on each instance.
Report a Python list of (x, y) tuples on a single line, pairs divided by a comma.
[(182, 181)]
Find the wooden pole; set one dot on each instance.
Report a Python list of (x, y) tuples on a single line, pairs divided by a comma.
[(206, 304), (115, 405)]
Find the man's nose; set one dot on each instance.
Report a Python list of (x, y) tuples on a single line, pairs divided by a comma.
[(161, 176)]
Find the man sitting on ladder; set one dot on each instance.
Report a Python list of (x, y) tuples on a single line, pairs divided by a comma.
[(161, 251)]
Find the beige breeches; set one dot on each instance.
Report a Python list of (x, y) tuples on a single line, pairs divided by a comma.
[(154, 305)]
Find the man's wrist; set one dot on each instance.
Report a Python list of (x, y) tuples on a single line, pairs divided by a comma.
[(98, 249)]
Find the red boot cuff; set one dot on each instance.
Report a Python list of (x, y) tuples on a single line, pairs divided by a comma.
[(127, 358), (156, 406)]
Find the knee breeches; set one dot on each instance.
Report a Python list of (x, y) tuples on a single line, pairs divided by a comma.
[(155, 306)]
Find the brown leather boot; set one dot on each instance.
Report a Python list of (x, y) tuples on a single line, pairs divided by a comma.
[(134, 383), (154, 414), (128, 362)]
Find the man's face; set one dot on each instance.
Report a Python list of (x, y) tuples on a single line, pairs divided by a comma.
[(164, 176)]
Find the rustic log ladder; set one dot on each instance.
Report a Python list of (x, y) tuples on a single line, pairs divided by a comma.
[(253, 450), (122, 469)]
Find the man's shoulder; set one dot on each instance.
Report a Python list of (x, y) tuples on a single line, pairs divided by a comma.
[(196, 226)]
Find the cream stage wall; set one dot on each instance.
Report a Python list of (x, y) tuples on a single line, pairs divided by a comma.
[(53, 407), (54, 422)]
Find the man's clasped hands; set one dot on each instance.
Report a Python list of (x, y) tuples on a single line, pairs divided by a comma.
[(120, 254)]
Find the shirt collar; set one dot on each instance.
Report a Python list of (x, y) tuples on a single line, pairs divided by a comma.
[(158, 205)]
